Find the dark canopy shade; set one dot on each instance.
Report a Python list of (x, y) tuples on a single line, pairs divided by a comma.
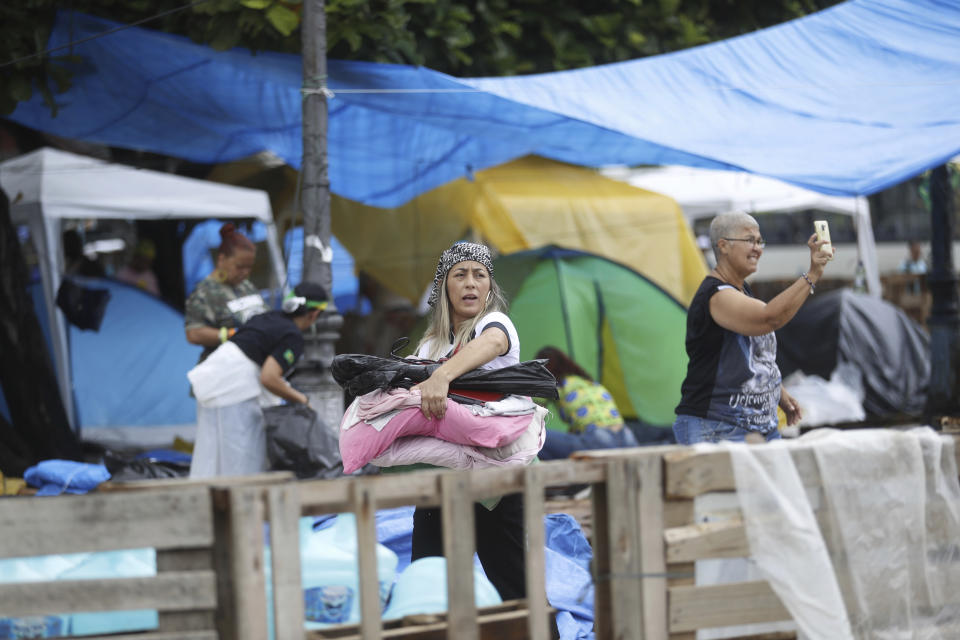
[(847, 101), (889, 349)]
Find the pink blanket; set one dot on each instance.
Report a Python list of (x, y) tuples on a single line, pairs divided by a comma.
[(441, 453), (361, 443)]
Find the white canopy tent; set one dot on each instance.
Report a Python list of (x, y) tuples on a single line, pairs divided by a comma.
[(48, 185), (707, 192)]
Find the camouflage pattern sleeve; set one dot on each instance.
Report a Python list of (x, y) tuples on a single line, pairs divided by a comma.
[(214, 304), (199, 311)]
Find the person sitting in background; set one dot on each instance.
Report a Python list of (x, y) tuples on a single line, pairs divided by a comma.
[(139, 270), (914, 265), (914, 262), (226, 298), (586, 406)]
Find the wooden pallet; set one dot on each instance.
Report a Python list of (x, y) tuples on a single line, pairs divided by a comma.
[(211, 577)]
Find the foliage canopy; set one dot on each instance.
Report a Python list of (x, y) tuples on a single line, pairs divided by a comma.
[(460, 37)]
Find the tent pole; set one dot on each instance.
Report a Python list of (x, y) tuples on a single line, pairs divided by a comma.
[(313, 376), (943, 398)]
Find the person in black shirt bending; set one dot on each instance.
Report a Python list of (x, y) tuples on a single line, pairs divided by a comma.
[(244, 373)]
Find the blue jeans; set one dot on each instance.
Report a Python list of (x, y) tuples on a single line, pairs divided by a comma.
[(560, 445), (691, 430)]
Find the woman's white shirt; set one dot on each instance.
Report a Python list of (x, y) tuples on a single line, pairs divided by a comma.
[(493, 319)]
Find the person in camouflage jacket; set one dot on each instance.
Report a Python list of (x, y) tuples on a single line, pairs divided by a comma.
[(225, 299)]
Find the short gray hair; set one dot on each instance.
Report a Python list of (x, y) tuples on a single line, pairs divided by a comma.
[(726, 223)]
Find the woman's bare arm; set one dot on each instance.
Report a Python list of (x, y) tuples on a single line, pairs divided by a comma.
[(738, 312), (488, 345), (271, 377)]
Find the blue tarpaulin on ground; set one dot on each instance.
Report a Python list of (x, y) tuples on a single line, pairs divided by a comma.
[(846, 101), (567, 556)]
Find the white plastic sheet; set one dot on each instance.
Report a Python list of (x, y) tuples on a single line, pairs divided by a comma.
[(876, 553), (827, 402)]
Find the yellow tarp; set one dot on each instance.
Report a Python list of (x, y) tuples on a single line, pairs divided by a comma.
[(520, 205)]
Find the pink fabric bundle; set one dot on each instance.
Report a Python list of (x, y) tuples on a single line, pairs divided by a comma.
[(441, 453), (360, 443)]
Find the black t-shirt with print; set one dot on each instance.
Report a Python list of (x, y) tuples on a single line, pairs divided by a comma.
[(730, 377), (270, 334)]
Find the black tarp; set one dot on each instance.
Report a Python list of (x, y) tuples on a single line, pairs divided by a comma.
[(891, 351), (359, 374), (299, 441)]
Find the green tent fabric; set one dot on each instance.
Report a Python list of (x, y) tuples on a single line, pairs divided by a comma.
[(625, 331)]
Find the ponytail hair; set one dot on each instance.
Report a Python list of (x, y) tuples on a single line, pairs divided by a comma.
[(232, 240)]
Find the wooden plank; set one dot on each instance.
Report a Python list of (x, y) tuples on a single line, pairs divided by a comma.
[(257, 479), (353, 630), (602, 562), (623, 496), (716, 539), (184, 559), (459, 545), (724, 605), (677, 513), (105, 522), (607, 454), (690, 473), (495, 623), (169, 591), (245, 542), (319, 497), (148, 635), (365, 508), (536, 569), (419, 488), (226, 615), (653, 567), (169, 621), (559, 473), (283, 514), (681, 573)]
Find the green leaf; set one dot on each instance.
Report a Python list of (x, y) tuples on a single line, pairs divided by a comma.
[(256, 4), (353, 39), (283, 20), (20, 89), (510, 28), (636, 39)]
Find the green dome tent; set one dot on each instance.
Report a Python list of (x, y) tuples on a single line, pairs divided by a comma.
[(621, 328)]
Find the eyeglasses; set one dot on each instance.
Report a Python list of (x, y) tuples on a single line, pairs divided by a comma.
[(757, 242)]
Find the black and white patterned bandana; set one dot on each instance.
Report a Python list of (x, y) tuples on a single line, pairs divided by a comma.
[(458, 253)]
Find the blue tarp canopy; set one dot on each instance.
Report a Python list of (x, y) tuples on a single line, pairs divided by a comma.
[(847, 101)]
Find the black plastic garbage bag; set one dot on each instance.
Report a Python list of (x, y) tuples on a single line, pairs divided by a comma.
[(125, 468), (298, 441), (359, 374), (82, 306)]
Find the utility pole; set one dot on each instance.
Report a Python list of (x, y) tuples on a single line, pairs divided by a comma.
[(943, 395), (313, 376)]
